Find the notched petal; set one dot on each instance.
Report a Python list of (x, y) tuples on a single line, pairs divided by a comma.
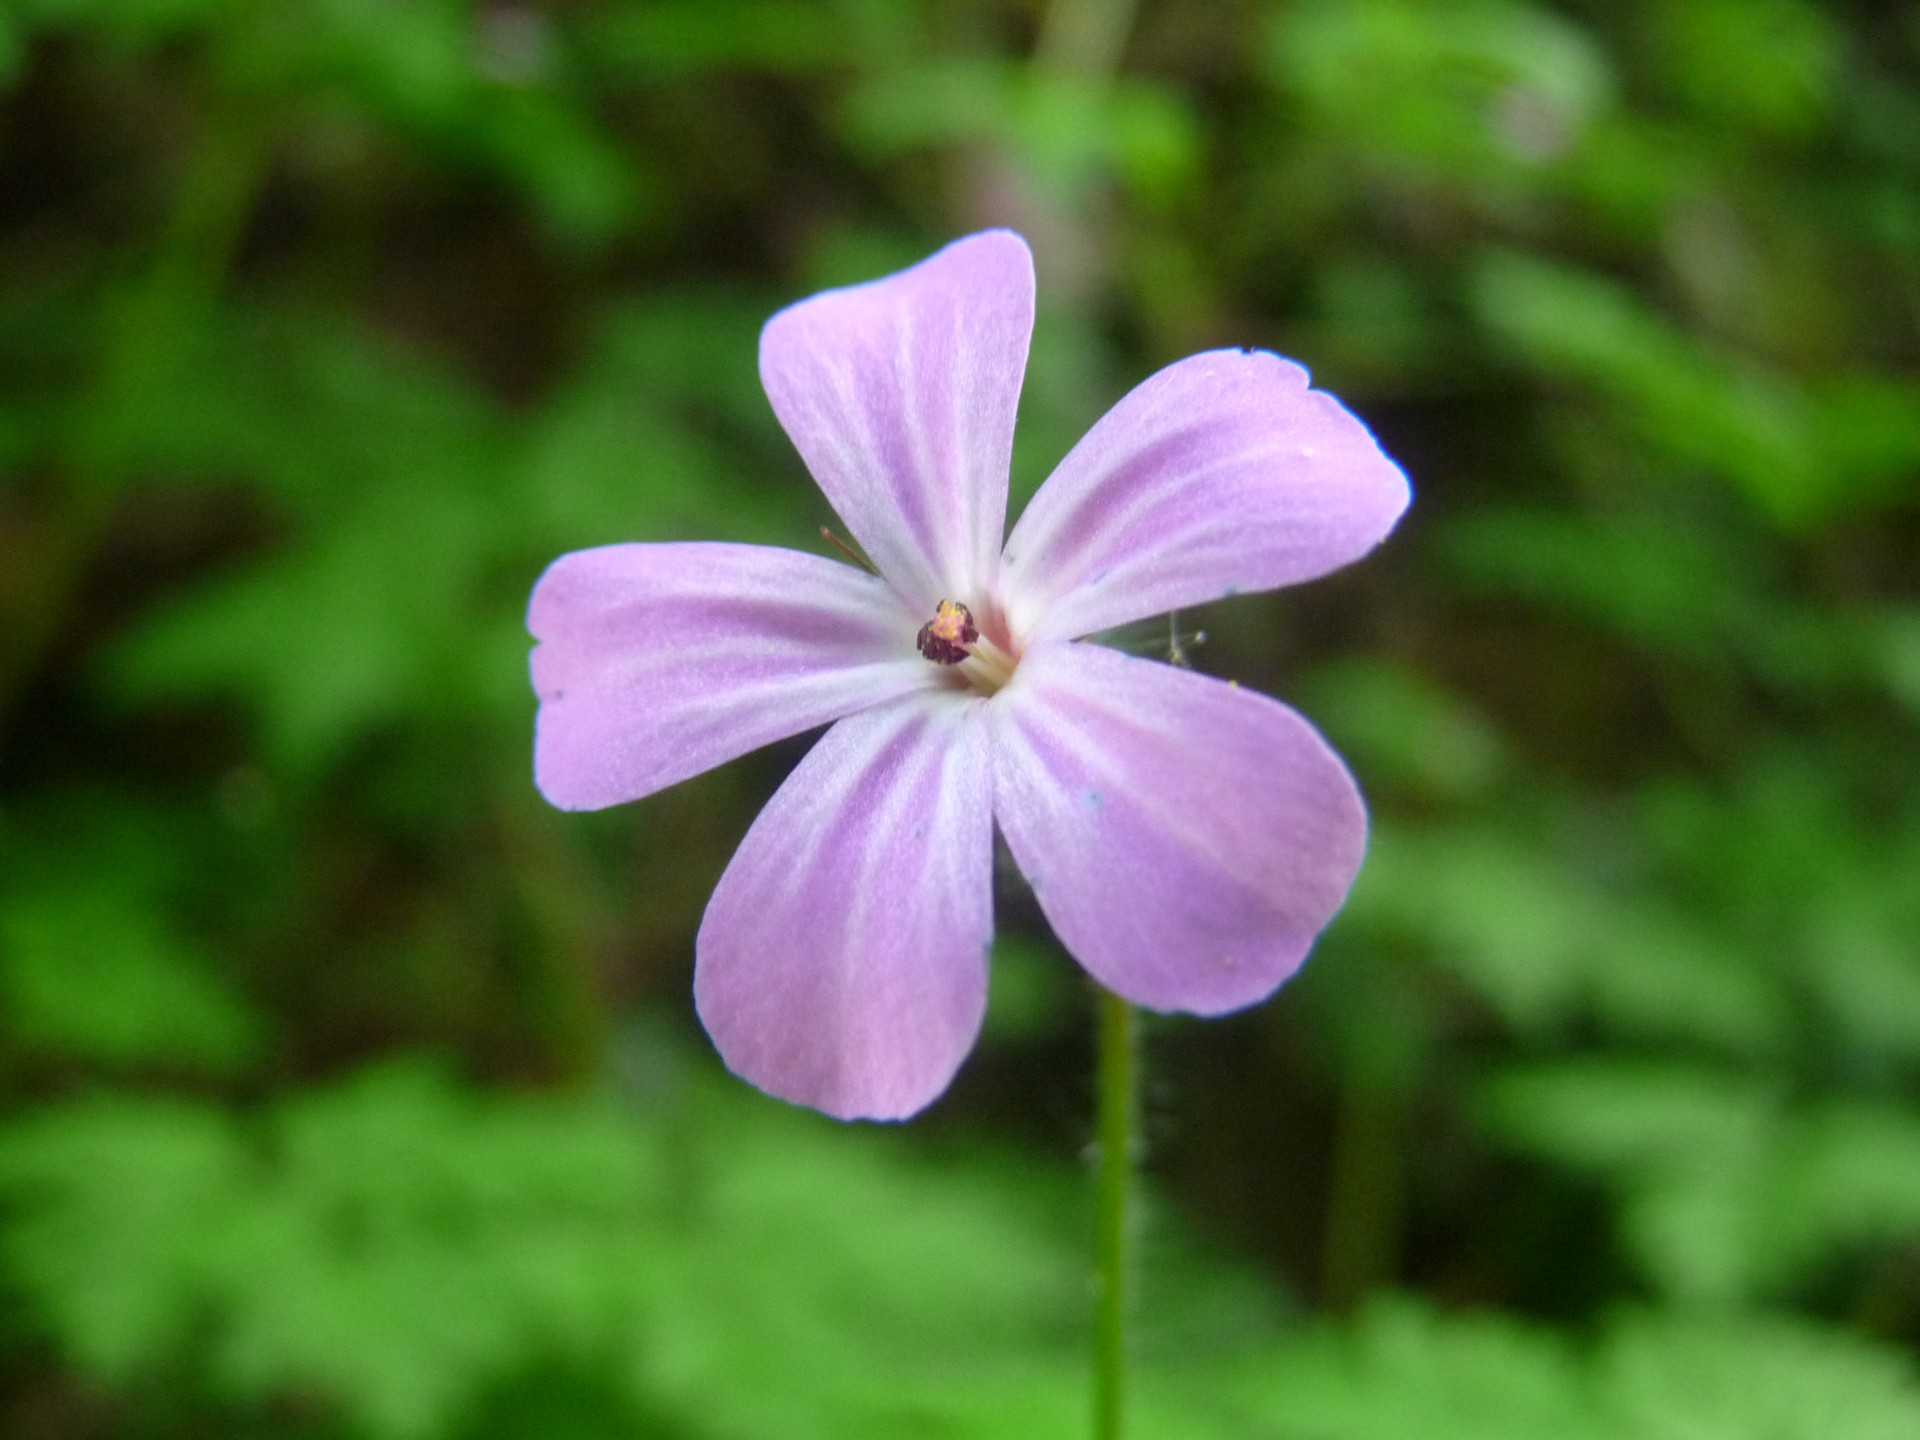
[(1222, 473), (1187, 839), (900, 395), (656, 662)]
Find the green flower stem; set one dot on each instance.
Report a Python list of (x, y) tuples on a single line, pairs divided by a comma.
[(1118, 1125)]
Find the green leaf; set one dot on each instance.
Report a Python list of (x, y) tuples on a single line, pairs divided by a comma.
[(97, 974), (1729, 1192), (672, 39), (1401, 1370), (96, 962), (1700, 406), (1401, 728), (1693, 1153), (396, 1247), (1667, 586), (1764, 67), (1066, 132), (117, 1206), (1482, 91), (408, 1243), (1679, 1378)]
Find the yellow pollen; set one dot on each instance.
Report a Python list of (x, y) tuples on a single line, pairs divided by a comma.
[(950, 623), (946, 639)]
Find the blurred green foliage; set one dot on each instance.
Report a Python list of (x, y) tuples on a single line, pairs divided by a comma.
[(346, 1091)]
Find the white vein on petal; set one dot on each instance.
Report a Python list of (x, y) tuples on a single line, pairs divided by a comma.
[(1041, 716), (1117, 522)]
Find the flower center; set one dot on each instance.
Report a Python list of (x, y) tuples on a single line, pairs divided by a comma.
[(945, 638), (951, 638)]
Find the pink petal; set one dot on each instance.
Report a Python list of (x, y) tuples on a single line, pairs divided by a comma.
[(1219, 474), (656, 662), (842, 963), (900, 396), (1186, 838)]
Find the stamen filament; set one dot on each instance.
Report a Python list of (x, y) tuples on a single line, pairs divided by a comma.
[(987, 667)]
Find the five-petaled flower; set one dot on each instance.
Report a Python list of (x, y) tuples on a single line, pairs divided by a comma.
[(1187, 839)]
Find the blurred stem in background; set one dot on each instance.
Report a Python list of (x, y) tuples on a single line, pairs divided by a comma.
[(1366, 1193), (1084, 38), (1060, 206), (1119, 1139), (145, 332), (1384, 1034)]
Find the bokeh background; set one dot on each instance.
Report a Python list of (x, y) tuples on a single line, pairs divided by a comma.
[(349, 1093)]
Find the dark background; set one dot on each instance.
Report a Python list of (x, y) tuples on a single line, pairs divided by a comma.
[(348, 1091)]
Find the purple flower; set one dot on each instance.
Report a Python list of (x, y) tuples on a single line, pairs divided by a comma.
[(1187, 839)]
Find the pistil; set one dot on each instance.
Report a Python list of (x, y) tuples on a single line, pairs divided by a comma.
[(988, 667), (952, 638)]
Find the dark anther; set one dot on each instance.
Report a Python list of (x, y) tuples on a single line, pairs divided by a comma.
[(945, 638)]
